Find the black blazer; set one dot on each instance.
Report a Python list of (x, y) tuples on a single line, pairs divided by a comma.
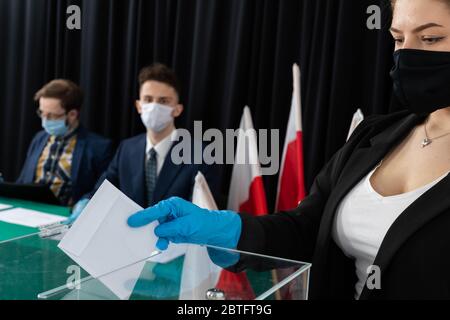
[(127, 172), (414, 256)]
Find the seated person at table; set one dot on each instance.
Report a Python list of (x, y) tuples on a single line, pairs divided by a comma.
[(65, 155), (142, 167)]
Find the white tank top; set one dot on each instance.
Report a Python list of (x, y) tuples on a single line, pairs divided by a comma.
[(363, 219)]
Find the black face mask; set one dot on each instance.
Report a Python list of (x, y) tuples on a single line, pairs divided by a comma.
[(422, 80)]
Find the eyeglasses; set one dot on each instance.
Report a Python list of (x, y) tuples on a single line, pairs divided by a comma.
[(50, 116)]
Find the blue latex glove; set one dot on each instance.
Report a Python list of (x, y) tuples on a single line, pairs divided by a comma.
[(183, 222), (77, 210)]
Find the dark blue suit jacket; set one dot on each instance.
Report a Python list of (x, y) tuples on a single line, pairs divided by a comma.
[(91, 157), (127, 173)]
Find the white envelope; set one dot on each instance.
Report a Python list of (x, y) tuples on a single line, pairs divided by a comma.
[(103, 244)]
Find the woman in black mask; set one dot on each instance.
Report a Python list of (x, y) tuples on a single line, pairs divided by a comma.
[(376, 224)]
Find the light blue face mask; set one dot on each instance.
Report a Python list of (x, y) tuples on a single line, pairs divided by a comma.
[(55, 127)]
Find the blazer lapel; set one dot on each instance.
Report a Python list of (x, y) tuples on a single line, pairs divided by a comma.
[(356, 168), (361, 161), (166, 177), (34, 159), (78, 154), (137, 171), (427, 207)]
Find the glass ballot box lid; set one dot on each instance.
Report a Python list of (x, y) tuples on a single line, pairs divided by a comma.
[(33, 267)]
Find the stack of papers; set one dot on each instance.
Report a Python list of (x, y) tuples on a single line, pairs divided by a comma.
[(4, 206), (103, 244), (29, 218)]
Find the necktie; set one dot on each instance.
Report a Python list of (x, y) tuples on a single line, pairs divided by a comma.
[(151, 175)]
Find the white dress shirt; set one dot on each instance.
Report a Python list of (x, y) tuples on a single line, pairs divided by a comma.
[(362, 220), (162, 149)]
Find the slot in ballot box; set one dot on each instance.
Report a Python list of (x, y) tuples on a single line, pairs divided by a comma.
[(33, 267)]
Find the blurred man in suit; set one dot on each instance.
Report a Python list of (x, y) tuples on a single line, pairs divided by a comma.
[(65, 155), (142, 167)]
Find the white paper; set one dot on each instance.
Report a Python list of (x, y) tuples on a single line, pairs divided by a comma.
[(29, 218), (103, 244), (4, 206)]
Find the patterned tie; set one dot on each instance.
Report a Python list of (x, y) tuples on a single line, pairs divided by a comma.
[(151, 175)]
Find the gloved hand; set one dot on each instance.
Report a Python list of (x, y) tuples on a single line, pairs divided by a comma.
[(77, 210), (183, 222)]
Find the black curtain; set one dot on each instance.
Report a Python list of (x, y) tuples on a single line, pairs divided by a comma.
[(227, 53)]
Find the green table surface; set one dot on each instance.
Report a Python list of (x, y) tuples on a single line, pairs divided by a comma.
[(10, 231), (30, 265)]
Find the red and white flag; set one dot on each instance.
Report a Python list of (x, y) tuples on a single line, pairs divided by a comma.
[(247, 195), (247, 192), (291, 183)]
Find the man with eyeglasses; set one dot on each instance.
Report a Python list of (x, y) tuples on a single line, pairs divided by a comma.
[(65, 155)]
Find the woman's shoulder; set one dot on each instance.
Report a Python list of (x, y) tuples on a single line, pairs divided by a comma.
[(387, 118), (377, 123)]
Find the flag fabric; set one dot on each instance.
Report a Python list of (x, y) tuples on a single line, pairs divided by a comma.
[(247, 195), (247, 192), (358, 117), (199, 273), (291, 183)]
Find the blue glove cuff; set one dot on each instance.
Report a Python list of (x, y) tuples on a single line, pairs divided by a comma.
[(232, 230), (77, 210), (229, 234)]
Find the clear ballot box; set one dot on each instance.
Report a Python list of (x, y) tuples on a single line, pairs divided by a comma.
[(34, 268)]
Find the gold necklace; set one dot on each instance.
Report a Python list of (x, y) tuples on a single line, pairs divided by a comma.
[(427, 141)]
